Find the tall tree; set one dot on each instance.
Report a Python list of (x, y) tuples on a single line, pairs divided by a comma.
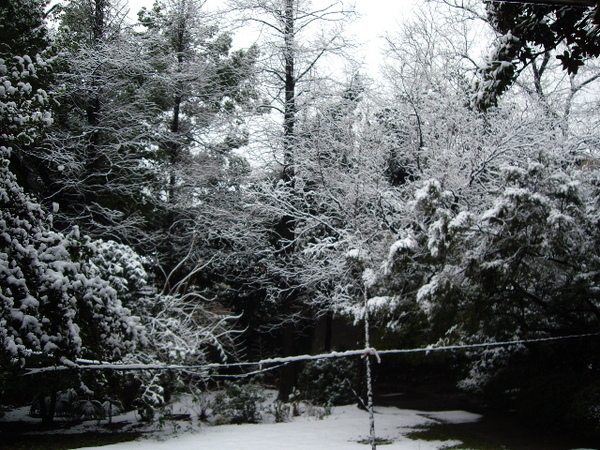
[(202, 88), (296, 45), (99, 163), (298, 38)]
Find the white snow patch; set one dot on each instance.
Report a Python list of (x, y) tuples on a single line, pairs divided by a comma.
[(369, 278), (357, 254), (408, 243), (377, 304)]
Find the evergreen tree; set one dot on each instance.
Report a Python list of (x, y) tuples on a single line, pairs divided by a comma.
[(199, 85), (100, 164)]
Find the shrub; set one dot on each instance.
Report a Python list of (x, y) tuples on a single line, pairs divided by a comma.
[(584, 413), (240, 403), (330, 382)]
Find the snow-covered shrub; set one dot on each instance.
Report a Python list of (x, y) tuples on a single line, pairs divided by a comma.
[(183, 328), (122, 267), (24, 109), (69, 404), (330, 381), (520, 264), (240, 403), (282, 411), (523, 261), (151, 399), (485, 363)]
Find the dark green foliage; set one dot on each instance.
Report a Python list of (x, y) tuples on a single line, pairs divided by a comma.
[(54, 306), (330, 382), (548, 385)]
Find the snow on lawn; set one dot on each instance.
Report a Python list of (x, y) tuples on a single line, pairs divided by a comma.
[(343, 429)]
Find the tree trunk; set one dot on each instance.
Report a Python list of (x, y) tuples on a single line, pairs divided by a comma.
[(47, 409), (288, 375), (94, 159), (289, 116)]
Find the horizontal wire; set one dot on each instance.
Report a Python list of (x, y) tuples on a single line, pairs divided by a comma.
[(84, 364)]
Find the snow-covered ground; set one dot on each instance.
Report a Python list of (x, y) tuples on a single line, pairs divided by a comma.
[(346, 428), (342, 429)]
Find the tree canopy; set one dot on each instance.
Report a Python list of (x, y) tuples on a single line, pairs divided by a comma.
[(529, 30)]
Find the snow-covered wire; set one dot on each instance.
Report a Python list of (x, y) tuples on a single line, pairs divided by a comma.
[(83, 364)]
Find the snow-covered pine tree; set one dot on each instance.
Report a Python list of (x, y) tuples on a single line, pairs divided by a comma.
[(201, 89)]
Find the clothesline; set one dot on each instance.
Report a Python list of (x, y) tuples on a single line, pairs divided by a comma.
[(83, 364)]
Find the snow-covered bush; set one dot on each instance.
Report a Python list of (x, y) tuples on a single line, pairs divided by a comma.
[(240, 403), (122, 267), (70, 405), (24, 109), (330, 382), (525, 262), (152, 397)]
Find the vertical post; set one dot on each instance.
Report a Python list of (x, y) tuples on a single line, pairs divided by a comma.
[(368, 370)]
